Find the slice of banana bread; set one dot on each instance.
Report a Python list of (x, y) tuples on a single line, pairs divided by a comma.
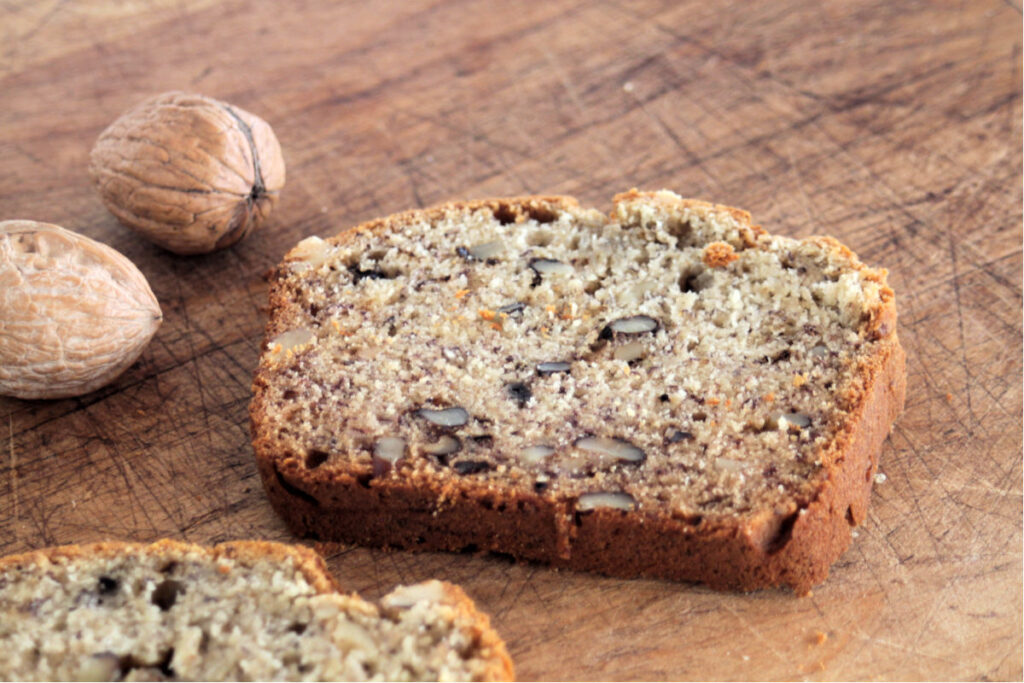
[(236, 611), (665, 391)]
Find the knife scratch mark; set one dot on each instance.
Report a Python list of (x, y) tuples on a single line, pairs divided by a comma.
[(35, 28), (124, 468), (376, 571), (969, 379), (506, 588), (808, 205), (923, 372), (14, 480), (195, 329), (768, 645), (935, 479), (694, 158), (574, 97), (399, 569), (913, 650)]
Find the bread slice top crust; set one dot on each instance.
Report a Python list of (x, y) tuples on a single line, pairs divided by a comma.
[(235, 611), (670, 359)]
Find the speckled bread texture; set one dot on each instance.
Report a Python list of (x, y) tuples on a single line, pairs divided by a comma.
[(235, 611), (664, 391)]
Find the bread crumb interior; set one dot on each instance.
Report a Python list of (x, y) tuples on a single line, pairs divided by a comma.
[(147, 617), (676, 359)]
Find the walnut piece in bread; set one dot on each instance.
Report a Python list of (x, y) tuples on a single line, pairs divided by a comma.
[(664, 391)]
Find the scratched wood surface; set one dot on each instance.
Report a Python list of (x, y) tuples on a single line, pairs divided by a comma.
[(895, 126)]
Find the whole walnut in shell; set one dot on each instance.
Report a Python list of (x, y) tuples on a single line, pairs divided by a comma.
[(74, 313), (189, 172)]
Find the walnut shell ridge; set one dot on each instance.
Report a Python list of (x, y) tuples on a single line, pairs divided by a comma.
[(74, 313), (190, 173)]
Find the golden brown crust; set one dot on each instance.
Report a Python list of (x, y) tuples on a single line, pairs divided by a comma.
[(489, 643), (515, 209), (719, 254), (882, 317), (751, 231), (793, 547)]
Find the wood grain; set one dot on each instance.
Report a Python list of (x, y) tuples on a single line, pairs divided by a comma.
[(895, 127)]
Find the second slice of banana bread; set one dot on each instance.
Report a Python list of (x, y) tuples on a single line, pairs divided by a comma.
[(245, 610)]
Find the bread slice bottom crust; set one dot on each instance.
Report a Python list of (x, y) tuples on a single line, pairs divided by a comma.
[(794, 551)]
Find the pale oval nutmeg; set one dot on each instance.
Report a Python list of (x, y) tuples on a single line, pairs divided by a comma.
[(74, 313), (190, 173)]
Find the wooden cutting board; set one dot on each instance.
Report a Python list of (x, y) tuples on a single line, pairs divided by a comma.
[(895, 127)]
